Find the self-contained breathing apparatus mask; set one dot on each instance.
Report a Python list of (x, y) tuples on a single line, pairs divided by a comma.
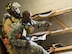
[(13, 9)]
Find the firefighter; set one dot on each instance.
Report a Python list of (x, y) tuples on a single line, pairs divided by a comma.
[(12, 15)]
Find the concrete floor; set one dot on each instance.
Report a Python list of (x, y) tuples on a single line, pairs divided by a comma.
[(66, 38)]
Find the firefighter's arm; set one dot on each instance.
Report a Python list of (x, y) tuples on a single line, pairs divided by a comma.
[(12, 36)]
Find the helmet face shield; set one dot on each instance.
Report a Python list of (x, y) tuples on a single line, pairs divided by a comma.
[(16, 9), (16, 6)]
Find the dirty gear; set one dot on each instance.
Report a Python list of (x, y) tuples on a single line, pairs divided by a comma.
[(23, 46)]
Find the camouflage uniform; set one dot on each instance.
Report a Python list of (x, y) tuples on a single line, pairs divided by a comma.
[(23, 46)]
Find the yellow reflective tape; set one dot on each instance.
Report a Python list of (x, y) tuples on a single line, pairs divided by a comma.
[(10, 4), (7, 8)]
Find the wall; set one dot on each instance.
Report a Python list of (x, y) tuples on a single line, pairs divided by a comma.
[(37, 6)]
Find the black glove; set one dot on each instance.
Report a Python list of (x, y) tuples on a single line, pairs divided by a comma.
[(23, 37)]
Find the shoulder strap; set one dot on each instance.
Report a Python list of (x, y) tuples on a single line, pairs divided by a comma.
[(11, 20)]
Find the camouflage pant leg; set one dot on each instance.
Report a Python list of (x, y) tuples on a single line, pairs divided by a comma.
[(11, 50), (15, 51), (36, 49), (39, 47)]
